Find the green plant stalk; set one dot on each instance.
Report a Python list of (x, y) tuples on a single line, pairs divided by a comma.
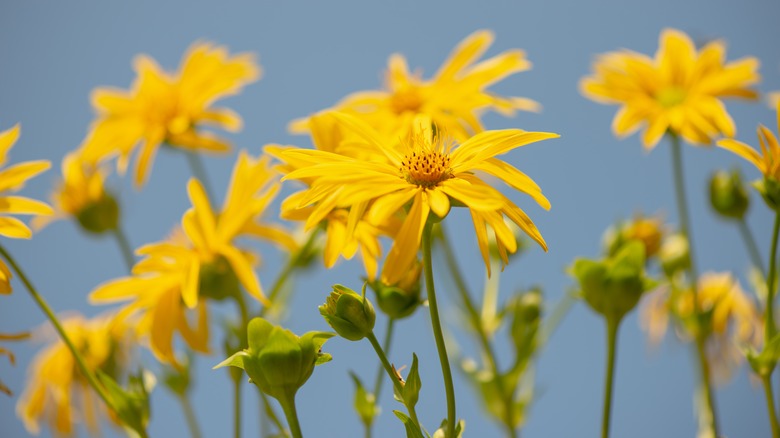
[(199, 171), (288, 406), (389, 370), (289, 268), (124, 247), (476, 322), (750, 243), (770, 403), (685, 227), (437, 332), (88, 374), (236, 405), (612, 332), (378, 379), (267, 411), (189, 415), (769, 322)]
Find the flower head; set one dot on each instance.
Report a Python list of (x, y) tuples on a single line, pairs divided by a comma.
[(428, 174), (678, 91), (57, 392), (13, 179), (454, 98), (169, 108)]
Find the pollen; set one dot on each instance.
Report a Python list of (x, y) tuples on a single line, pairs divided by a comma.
[(426, 168)]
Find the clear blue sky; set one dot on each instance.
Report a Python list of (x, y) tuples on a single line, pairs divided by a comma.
[(313, 54)]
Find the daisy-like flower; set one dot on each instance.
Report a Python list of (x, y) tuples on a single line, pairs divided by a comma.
[(81, 195), (732, 314), (201, 263), (768, 161), (454, 98), (169, 108), (678, 91), (57, 393), (13, 179), (431, 174)]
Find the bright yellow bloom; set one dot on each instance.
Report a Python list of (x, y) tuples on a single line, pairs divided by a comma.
[(678, 91), (768, 162), (431, 174), (169, 108), (202, 263), (57, 393), (733, 317), (454, 98), (13, 179)]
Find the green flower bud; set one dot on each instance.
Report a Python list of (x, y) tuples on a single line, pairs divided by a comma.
[(646, 229), (728, 195), (217, 280), (675, 254), (100, 216), (401, 299), (278, 361), (351, 315), (770, 191)]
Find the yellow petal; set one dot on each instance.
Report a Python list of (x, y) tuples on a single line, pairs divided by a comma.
[(744, 151), (21, 205), (14, 228), (407, 242), (438, 201), (245, 273), (14, 177), (7, 140), (464, 54)]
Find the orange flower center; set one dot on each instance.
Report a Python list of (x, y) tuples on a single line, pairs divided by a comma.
[(426, 168)]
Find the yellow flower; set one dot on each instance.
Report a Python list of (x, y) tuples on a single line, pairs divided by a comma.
[(454, 98), (647, 229), (678, 91), (768, 162), (169, 108), (13, 179), (203, 262), (57, 393), (431, 174)]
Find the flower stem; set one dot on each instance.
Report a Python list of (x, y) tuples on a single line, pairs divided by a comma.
[(750, 242), (88, 374), (124, 246), (479, 327), (236, 405), (769, 322), (189, 415), (288, 406), (437, 332), (685, 227), (386, 348), (612, 331), (292, 263), (199, 171), (389, 369), (770, 403)]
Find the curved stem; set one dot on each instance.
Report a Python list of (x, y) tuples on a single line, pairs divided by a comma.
[(389, 370), (769, 314), (770, 403), (750, 242), (437, 332), (479, 327), (288, 406), (612, 331), (386, 348), (88, 374), (124, 246), (189, 415), (199, 171)]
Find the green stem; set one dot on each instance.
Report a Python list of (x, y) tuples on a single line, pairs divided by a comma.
[(612, 331), (236, 406), (389, 370), (437, 332), (288, 406), (386, 348), (479, 327), (268, 411), (685, 227), (88, 374), (124, 246), (199, 171), (750, 242), (769, 314), (189, 414), (770, 403)]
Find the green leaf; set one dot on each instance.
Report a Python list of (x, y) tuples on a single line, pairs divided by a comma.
[(365, 402), (412, 431), (236, 360), (411, 391)]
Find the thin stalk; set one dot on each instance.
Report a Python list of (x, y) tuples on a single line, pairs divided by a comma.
[(750, 242), (88, 374), (236, 374), (389, 370), (437, 332), (769, 314), (288, 406), (685, 227), (189, 415), (612, 331), (386, 348), (199, 171), (476, 322), (236, 406), (270, 413), (770, 403), (124, 246)]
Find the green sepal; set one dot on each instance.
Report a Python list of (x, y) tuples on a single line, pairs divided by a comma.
[(412, 431), (364, 402), (411, 389), (131, 405), (236, 360), (440, 433), (763, 363)]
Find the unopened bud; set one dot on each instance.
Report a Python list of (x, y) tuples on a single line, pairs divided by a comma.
[(728, 195)]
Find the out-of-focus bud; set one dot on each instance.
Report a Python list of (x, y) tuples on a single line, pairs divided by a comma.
[(401, 299), (217, 280), (675, 254), (99, 216), (351, 315), (728, 195), (770, 191), (647, 230)]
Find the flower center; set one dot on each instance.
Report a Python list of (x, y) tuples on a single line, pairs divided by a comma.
[(670, 96), (426, 168), (406, 99)]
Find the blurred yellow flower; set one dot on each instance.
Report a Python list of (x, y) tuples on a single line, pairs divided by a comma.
[(429, 172), (768, 162), (57, 393), (13, 179), (454, 98), (647, 229), (203, 262), (678, 91), (169, 108), (733, 318)]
